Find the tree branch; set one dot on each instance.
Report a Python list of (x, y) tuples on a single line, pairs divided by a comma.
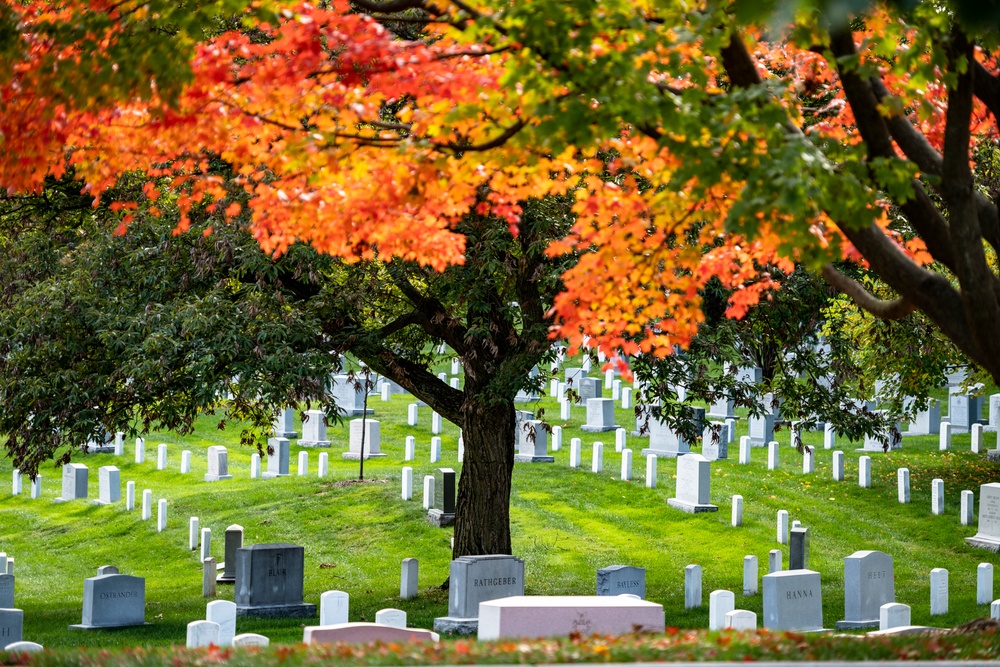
[(433, 316), (882, 309), (919, 210), (987, 88)]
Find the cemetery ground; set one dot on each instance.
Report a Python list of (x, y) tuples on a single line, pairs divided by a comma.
[(566, 523)]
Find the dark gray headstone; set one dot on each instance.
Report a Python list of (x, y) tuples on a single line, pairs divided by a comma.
[(798, 549), (589, 388), (444, 490), (107, 569), (619, 579), (234, 541), (269, 581), (113, 601)]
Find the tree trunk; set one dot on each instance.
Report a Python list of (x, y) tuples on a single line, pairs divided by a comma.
[(482, 511)]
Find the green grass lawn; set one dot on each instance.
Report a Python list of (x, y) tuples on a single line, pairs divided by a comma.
[(566, 523)]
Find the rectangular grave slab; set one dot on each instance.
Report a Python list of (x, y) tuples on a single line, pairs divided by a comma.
[(365, 633), (532, 442), (692, 489), (6, 590), (313, 430), (372, 436), (589, 388), (619, 579), (442, 511), (218, 464), (234, 542), (109, 484), (269, 581), (562, 615), (664, 441), (284, 424), (600, 415), (868, 584), (761, 430), (74, 482), (349, 395), (113, 601), (793, 600), (11, 626), (988, 536), (476, 579), (277, 461)]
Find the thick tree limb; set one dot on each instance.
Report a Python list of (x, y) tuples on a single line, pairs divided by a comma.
[(920, 210), (987, 88), (883, 309), (975, 276), (931, 293), (917, 148), (435, 317)]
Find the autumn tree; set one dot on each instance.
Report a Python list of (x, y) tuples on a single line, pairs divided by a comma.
[(102, 332), (716, 142)]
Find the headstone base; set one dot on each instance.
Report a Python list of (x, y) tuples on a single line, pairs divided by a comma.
[(216, 478), (440, 519), (81, 626), (223, 579), (856, 625), (587, 428), (527, 458), (690, 508), (279, 611), (102, 449), (981, 541), (354, 456), (456, 626), (904, 630), (286, 434), (314, 443), (65, 500), (358, 413), (526, 399), (638, 434), (662, 453), (272, 475)]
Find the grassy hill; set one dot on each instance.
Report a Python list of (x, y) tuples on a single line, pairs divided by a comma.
[(566, 523)]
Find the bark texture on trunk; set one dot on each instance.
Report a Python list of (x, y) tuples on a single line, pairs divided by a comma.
[(482, 511)]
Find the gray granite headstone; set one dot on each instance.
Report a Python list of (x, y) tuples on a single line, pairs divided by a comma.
[(793, 600), (113, 601), (11, 626), (107, 569), (349, 395), (532, 442), (798, 549), (109, 485), (269, 581), (589, 388), (664, 441), (692, 488), (218, 464), (442, 512), (868, 584), (988, 536), (6, 591), (277, 461), (234, 541), (313, 430), (761, 430), (74, 482), (621, 579), (600, 415), (284, 424), (476, 579)]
